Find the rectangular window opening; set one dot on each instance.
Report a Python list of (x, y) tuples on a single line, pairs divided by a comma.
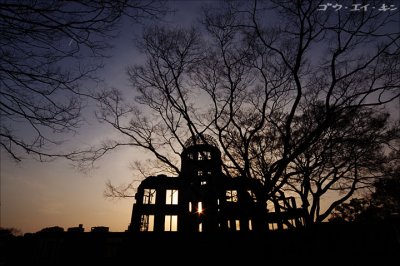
[(147, 223), (272, 226), (199, 207), (171, 223), (237, 225), (231, 196), (149, 196), (171, 197), (204, 155)]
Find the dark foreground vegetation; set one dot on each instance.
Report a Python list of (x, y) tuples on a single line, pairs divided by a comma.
[(327, 243)]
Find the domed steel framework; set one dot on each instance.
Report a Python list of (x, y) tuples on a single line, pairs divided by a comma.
[(201, 139)]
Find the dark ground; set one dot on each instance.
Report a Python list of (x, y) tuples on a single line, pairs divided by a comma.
[(327, 244)]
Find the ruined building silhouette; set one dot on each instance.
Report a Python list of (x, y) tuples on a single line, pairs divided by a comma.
[(203, 199), (236, 221)]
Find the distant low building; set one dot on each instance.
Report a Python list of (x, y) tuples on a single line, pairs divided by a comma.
[(78, 229), (52, 229), (203, 199), (99, 229)]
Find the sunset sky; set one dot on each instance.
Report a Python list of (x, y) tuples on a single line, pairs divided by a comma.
[(36, 195)]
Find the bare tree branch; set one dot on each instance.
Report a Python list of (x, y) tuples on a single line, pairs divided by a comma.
[(288, 100), (48, 50)]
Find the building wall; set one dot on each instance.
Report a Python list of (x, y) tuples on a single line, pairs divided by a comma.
[(206, 200)]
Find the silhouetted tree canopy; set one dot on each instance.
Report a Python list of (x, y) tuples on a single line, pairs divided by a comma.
[(294, 96), (9, 232), (48, 49), (348, 156), (383, 204), (349, 212), (385, 201)]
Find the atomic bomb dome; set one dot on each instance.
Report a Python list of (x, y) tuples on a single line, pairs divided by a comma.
[(201, 139), (203, 199)]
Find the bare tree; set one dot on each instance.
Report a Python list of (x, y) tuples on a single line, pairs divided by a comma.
[(382, 204), (248, 76), (348, 157), (48, 49)]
